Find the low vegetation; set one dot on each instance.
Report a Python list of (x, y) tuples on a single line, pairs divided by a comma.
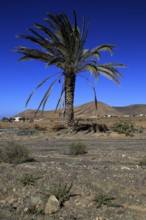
[(143, 161), (58, 127), (40, 128), (126, 127), (29, 179), (14, 153), (61, 192), (77, 148), (104, 199)]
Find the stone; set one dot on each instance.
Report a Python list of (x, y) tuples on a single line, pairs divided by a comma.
[(52, 205)]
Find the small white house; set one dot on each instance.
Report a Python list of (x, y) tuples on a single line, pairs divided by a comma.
[(16, 119)]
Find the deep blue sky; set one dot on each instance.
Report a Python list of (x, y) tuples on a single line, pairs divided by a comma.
[(119, 22)]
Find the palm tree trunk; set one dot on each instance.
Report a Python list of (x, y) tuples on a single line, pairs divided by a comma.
[(69, 99)]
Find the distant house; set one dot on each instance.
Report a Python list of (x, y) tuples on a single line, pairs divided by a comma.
[(110, 116), (17, 119)]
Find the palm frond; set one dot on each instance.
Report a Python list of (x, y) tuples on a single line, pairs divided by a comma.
[(45, 98), (33, 39), (93, 87), (60, 98), (47, 31), (84, 37), (93, 69), (37, 34), (63, 27), (30, 53), (38, 86), (104, 47), (109, 72)]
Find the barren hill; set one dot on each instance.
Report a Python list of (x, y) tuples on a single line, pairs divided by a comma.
[(132, 109), (89, 110), (86, 110), (31, 113)]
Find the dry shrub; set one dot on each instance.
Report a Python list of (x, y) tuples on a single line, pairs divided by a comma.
[(14, 153), (126, 127), (77, 148)]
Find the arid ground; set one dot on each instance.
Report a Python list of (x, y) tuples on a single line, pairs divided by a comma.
[(109, 167)]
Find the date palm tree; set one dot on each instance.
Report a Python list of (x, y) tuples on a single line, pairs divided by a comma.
[(62, 44)]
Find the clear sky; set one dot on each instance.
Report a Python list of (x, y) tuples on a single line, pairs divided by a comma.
[(119, 22)]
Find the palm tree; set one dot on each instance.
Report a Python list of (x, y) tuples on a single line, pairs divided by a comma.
[(62, 44)]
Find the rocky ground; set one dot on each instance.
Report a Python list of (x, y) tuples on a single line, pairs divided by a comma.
[(109, 168)]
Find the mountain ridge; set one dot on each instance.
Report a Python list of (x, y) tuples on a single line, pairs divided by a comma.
[(88, 110)]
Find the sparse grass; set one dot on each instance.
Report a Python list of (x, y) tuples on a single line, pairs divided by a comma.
[(77, 148), (61, 192), (29, 179), (58, 127), (104, 199), (40, 128), (14, 153), (142, 162)]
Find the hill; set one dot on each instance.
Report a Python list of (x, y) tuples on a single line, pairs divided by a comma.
[(31, 113), (136, 109), (88, 110)]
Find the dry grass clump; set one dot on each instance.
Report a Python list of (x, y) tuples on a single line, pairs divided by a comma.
[(77, 148), (40, 127), (104, 199), (14, 153), (29, 179)]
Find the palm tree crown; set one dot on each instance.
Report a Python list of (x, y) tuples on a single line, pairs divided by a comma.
[(62, 44)]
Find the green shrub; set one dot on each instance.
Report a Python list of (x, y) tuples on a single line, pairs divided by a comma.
[(29, 179), (61, 192), (143, 161), (126, 127), (104, 199), (14, 153), (77, 148)]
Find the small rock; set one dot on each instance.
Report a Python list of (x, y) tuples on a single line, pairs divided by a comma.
[(125, 168), (25, 209), (52, 205)]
